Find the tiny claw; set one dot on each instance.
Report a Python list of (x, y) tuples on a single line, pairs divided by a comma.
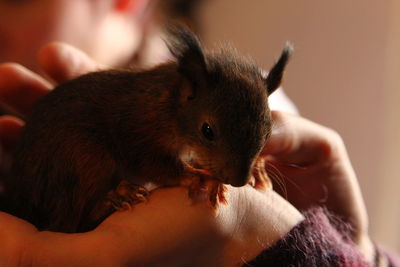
[(125, 206), (126, 195), (142, 190), (221, 194), (252, 181), (217, 194), (141, 197), (197, 189), (260, 176), (205, 188), (115, 204)]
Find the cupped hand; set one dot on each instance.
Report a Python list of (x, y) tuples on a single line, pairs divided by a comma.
[(167, 230), (310, 167)]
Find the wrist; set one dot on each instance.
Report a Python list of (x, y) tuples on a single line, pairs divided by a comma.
[(313, 242), (366, 248), (262, 219)]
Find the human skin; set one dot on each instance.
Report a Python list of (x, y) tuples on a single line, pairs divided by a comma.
[(312, 164), (168, 230), (91, 25), (110, 31), (312, 158)]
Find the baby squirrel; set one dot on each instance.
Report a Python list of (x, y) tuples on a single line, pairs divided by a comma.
[(203, 111)]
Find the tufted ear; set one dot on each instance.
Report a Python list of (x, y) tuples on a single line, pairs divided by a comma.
[(186, 48), (274, 78)]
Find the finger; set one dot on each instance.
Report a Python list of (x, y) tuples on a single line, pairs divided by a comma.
[(63, 62), (298, 141), (10, 130), (20, 88)]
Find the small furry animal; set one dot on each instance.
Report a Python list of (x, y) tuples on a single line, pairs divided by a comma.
[(204, 113)]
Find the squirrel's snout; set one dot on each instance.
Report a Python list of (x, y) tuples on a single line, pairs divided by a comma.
[(239, 178)]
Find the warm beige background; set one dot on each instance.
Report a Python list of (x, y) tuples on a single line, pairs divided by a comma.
[(345, 74)]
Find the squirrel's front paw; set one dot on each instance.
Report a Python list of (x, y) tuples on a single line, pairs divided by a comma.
[(201, 188), (260, 179), (127, 195)]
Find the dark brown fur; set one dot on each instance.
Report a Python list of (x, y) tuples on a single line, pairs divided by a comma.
[(91, 133)]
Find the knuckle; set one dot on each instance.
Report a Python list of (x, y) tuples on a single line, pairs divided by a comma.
[(333, 135), (332, 144)]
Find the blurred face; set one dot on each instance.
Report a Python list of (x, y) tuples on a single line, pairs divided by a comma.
[(91, 25)]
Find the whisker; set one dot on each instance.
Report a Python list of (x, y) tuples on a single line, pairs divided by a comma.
[(277, 177)]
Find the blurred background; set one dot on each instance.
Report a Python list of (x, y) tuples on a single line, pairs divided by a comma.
[(345, 74)]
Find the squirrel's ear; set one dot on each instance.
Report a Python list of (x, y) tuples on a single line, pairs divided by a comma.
[(186, 48), (274, 78)]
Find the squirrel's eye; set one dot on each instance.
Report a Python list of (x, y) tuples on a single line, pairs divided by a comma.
[(207, 132)]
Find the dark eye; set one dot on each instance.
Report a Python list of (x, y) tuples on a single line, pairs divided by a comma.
[(207, 132)]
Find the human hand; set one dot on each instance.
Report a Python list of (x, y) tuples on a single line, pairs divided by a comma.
[(311, 167), (168, 230), (21, 88)]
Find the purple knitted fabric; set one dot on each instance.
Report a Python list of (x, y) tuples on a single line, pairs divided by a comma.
[(313, 242)]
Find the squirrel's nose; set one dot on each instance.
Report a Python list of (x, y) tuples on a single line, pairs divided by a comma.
[(239, 178)]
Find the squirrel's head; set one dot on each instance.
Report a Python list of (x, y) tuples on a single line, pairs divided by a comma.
[(224, 119)]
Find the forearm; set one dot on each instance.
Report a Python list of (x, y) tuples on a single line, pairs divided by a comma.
[(168, 225), (169, 228), (265, 219), (80, 250)]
